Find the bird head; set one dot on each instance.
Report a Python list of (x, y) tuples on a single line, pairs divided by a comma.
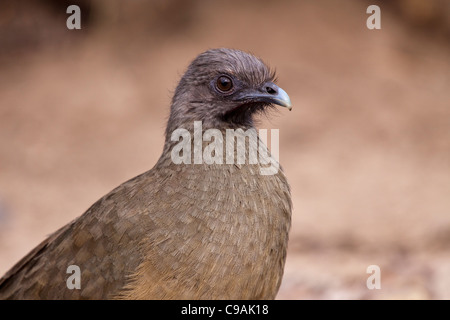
[(225, 88)]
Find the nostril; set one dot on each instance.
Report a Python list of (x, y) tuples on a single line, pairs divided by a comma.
[(271, 90)]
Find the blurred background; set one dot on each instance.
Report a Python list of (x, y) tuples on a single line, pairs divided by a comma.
[(366, 147)]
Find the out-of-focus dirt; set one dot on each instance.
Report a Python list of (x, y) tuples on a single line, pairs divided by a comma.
[(366, 147)]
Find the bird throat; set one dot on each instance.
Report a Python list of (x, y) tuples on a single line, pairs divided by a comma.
[(242, 115)]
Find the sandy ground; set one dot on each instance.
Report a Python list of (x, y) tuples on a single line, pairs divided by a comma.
[(366, 147)]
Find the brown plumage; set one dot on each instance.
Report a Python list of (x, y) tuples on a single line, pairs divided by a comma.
[(179, 231)]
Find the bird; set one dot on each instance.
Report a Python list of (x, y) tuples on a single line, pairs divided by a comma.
[(187, 229)]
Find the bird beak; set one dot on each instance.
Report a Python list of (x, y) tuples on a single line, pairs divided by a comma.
[(270, 93), (282, 99)]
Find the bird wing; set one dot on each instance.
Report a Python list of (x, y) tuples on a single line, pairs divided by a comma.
[(103, 242), (33, 255)]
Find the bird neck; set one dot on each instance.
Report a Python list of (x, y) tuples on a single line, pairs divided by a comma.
[(194, 144)]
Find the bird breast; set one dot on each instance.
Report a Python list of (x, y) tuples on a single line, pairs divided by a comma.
[(223, 234)]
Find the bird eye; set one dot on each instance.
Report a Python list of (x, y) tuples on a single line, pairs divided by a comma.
[(224, 84)]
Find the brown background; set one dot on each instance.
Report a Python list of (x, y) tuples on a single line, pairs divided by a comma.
[(366, 147)]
